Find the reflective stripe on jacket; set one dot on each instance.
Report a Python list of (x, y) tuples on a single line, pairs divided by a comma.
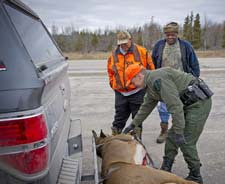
[(117, 63)]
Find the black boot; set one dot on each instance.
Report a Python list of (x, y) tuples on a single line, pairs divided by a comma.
[(195, 175), (167, 164)]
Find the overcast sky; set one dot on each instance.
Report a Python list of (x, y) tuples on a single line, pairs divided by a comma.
[(94, 14)]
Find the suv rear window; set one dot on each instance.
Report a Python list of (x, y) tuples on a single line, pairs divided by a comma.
[(35, 38)]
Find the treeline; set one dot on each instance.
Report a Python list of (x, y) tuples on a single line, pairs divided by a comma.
[(210, 36)]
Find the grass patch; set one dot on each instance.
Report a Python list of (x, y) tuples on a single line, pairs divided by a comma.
[(211, 54), (91, 55), (105, 55)]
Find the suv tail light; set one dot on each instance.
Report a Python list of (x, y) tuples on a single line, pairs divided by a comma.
[(28, 136)]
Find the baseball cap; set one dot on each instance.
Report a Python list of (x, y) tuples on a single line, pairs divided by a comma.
[(123, 37), (131, 71)]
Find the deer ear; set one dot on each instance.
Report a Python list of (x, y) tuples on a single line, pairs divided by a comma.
[(94, 135), (102, 135)]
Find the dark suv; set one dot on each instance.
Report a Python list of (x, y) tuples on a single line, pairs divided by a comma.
[(34, 100)]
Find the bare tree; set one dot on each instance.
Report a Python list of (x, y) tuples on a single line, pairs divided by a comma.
[(71, 39)]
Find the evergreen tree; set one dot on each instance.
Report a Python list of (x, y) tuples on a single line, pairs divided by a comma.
[(94, 41), (79, 44), (186, 28), (223, 44), (197, 32)]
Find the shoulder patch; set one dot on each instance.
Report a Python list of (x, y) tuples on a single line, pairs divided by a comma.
[(157, 85)]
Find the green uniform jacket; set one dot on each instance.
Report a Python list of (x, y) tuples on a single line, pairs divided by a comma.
[(164, 84)]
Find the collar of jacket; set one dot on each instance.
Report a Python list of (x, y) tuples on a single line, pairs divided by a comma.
[(160, 48), (184, 55)]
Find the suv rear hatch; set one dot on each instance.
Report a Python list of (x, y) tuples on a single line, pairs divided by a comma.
[(33, 95)]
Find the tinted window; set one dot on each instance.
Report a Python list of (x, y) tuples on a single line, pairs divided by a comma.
[(34, 36), (5, 40)]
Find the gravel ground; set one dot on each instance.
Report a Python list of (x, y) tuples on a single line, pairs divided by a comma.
[(93, 104)]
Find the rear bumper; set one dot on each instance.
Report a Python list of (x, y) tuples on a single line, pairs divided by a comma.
[(71, 168)]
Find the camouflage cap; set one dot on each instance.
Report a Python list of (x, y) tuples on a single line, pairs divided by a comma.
[(171, 27), (123, 37)]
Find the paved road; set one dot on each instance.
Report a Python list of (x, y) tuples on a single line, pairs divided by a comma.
[(93, 103)]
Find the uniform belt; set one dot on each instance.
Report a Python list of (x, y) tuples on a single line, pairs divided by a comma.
[(192, 93), (196, 90)]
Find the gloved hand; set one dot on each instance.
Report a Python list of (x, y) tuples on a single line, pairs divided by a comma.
[(130, 128), (116, 130), (179, 139)]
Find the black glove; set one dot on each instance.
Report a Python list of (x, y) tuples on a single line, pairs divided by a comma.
[(130, 128), (179, 139)]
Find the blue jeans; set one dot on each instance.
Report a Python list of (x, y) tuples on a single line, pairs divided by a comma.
[(163, 113)]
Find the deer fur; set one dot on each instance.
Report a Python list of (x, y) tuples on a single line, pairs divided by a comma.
[(119, 165)]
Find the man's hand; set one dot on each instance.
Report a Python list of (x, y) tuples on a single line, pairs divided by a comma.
[(179, 139), (130, 128)]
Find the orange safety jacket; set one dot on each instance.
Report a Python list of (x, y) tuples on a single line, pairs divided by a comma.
[(117, 63)]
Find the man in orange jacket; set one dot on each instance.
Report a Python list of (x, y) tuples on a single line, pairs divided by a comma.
[(127, 98)]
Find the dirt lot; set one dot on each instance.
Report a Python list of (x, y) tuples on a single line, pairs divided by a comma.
[(93, 103)]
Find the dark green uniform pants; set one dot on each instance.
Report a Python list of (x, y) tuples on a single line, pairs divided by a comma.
[(195, 118)]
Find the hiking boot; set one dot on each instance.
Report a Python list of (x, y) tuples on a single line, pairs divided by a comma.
[(195, 175), (167, 164), (163, 134), (116, 130)]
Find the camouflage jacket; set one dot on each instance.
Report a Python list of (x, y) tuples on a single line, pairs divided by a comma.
[(164, 84)]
